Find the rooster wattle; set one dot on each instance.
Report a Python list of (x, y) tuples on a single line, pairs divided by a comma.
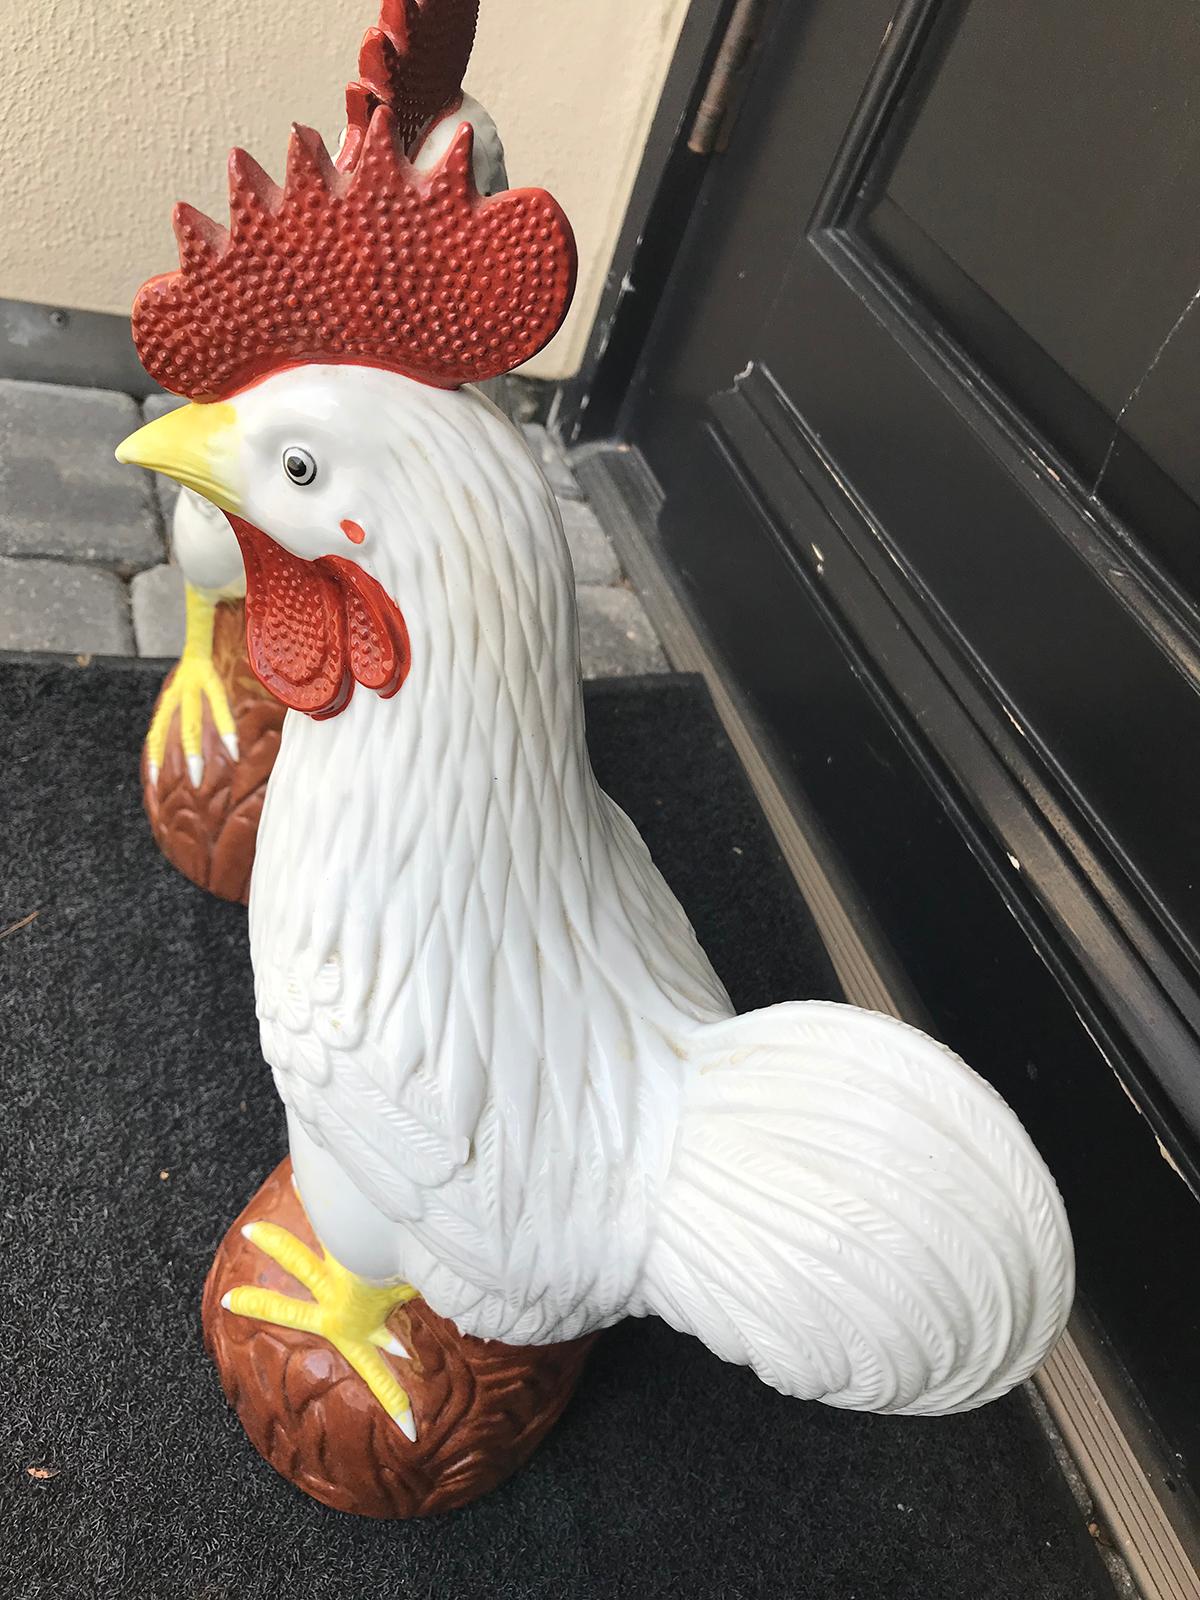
[(512, 1078)]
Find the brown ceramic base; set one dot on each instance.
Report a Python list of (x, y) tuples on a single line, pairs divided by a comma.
[(209, 833), (481, 1409)]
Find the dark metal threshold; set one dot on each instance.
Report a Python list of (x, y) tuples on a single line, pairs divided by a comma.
[(1108, 1457)]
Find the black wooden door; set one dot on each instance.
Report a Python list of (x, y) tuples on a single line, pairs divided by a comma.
[(924, 402)]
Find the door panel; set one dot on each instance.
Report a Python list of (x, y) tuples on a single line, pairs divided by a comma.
[(997, 167), (1061, 275), (920, 405)]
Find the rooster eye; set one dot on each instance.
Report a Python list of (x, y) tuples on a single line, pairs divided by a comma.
[(299, 465)]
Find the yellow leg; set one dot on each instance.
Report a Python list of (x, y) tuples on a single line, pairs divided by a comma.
[(346, 1310), (195, 681)]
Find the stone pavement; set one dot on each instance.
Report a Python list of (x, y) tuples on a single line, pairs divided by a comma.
[(85, 562)]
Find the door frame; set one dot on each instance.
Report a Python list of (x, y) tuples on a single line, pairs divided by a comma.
[(584, 408)]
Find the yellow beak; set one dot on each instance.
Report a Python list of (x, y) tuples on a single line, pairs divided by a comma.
[(195, 444)]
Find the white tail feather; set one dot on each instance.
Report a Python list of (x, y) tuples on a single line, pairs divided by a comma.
[(855, 1214)]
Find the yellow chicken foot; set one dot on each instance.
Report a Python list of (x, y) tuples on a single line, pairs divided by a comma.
[(346, 1310), (195, 681)]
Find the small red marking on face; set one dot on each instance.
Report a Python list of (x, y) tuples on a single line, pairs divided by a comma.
[(353, 532)]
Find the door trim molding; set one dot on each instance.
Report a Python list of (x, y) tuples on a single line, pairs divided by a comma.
[(664, 192)]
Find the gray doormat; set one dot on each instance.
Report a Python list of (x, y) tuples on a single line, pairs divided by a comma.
[(136, 1118)]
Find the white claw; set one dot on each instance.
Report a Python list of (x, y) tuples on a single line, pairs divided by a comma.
[(247, 1231), (395, 1348), (195, 766), (152, 773), (407, 1424), (227, 1301), (230, 741)]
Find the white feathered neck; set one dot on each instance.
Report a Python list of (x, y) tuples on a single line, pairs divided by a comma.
[(441, 888)]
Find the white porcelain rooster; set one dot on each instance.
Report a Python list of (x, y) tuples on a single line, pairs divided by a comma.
[(513, 1081)]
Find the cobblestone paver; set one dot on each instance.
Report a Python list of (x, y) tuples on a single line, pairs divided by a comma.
[(552, 462), (157, 602), (615, 636), (57, 605), (84, 565), (157, 405), (592, 554), (62, 492)]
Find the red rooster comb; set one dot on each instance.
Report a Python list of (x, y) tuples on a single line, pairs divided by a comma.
[(366, 261)]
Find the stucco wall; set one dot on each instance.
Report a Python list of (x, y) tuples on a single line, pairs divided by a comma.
[(111, 110)]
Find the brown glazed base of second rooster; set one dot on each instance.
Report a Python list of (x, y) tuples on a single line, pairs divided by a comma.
[(209, 833), (481, 1408)]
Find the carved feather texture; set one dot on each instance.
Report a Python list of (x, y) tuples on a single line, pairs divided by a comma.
[(471, 978), (859, 1217), (512, 1075)]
